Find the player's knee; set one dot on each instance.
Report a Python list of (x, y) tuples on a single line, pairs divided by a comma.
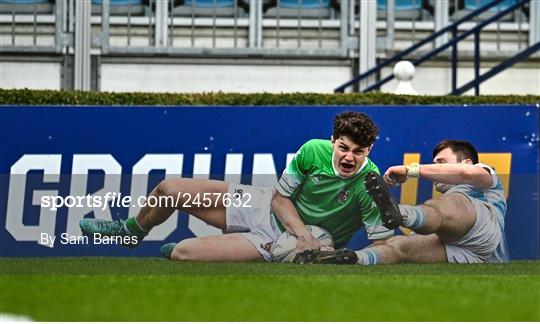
[(441, 215), (183, 251), (436, 214), (165, 188), (431, 206)]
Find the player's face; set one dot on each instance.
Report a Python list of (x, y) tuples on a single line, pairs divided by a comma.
[(444, 156), (447, 156), (348, 156)]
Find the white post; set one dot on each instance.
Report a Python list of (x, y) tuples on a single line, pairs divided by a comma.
[(368, 32), (404, 73), (390, 19), (255, 24), (162, 13), (441, 20), (534, 23), (82, 45)]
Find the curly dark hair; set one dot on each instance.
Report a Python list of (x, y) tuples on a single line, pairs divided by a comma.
[(357, 126), (462, 149)]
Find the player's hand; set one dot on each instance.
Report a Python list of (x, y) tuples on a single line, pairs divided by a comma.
[(395, 175), (306, 242)]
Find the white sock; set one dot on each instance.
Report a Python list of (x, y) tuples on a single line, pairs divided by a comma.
[(413, 216), (368, 256)]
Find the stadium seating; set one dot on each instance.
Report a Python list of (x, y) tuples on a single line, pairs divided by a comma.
[(210, 8), (475, 4), (26, 6), (210, 3), (471, 5), (304, 4), (406, 10), (121, 7), (300, 8)]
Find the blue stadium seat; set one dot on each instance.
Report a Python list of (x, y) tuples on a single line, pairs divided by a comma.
[(404, 10), (401, 4), (208, 8), (475, 4), (119, 3), (120, 7), (210, 3), (471, 5), (26, 6), (305, 4), (299, 8)]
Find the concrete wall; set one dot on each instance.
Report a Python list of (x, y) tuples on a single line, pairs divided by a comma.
[(219, 77), (248, 76), (31, 75), (520, 79)]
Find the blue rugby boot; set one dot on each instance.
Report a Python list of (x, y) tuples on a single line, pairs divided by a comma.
[(341, 256), (377, 190), (110, 229)]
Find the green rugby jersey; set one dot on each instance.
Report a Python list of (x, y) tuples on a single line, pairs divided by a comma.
[(322, 198)]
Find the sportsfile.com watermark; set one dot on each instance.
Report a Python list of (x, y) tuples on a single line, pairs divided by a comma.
[(116, 199), (182, 200)]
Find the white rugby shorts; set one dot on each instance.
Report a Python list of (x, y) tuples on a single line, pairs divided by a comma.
[(253, 217), (481, 241)]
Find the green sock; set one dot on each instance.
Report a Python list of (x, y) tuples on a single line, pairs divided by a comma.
[(134, 228)]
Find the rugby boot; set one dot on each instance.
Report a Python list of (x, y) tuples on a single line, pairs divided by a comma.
[(377, 190), (167, 250), (107, 228), (341, 256)]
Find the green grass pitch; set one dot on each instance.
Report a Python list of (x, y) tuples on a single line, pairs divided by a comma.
[(151, 289)]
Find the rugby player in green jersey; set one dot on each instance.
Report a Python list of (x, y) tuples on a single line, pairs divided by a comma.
[(322, 186)]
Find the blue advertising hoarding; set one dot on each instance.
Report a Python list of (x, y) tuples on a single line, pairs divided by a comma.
[(83, 150)]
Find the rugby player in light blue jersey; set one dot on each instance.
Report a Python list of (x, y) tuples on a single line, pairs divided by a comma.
[(464, 225)]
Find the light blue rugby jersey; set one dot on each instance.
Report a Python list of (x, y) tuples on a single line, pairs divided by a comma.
[(494, 197)]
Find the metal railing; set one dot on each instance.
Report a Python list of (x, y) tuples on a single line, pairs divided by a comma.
[(174, 30), (162, 28), (31, 30), (453, 28), (475, 83), (252, 29), (518, 18)]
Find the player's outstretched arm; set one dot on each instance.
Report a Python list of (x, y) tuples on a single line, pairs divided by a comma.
[(457, 173), (449, 173), (289, 217)]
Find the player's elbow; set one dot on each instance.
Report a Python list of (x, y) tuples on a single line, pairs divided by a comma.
[(277, 200), (477, 177), (164, 188)]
